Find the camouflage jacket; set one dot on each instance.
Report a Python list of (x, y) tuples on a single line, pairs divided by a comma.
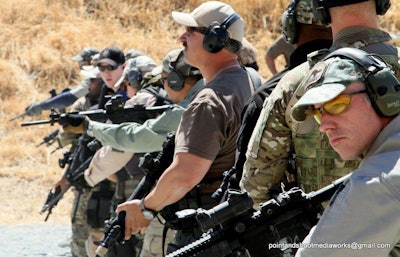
[(276, 135)]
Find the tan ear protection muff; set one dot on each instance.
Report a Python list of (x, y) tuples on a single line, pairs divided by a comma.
[(383, 87), (289, 23)]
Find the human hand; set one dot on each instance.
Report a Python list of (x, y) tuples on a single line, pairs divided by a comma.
[(63, 183), (74, 123), (134, 221), (33, 109)]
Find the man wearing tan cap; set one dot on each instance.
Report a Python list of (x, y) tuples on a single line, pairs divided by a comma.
[(206, 138)]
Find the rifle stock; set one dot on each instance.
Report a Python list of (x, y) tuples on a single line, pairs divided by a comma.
[(286, 219)]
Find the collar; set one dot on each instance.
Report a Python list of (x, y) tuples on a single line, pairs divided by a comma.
[(363, 36), (192, 92), (230, 67), (388, 139)]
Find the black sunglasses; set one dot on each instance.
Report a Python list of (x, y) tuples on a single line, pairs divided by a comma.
[(200, 30), (108, 67)]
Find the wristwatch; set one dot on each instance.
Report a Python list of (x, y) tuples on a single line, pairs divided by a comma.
[(147, 213)]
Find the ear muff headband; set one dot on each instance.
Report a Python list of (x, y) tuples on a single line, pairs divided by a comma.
[(217, 34), (383, 87)]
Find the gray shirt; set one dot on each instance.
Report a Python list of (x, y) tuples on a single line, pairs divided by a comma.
[(364, 218)]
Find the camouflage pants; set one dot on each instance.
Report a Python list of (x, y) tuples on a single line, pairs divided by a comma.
[(149, 244), (153, 240), (79, 226)]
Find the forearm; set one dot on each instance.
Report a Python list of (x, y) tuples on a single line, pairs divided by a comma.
[(270, 64), (182, 175), (135, 137), (59, 101)]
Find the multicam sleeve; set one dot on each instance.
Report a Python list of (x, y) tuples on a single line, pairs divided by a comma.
[(269, 146), (267, 151)]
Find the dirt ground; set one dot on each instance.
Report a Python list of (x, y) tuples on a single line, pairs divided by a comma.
[(22, 199)]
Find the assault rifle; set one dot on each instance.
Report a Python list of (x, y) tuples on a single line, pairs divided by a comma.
[(153, 168), (233, 227), (57, 193), (49, 139), (113, 110), (77, 162)]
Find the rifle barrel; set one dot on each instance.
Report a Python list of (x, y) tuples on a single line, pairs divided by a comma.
[(38, 122), (17, 116)]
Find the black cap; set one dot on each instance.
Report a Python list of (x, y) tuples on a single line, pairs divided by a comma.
[(112, 55)]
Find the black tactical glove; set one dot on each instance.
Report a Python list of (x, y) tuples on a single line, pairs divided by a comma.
[(74, 123)]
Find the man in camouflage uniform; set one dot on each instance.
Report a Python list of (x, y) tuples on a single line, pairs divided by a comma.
[(276, 136)]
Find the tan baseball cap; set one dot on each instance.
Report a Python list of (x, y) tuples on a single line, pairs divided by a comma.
[(209, 13)]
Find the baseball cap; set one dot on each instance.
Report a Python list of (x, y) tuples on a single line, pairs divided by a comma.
[(90, 71), (85, 54), (132, 53), (325, 81), (176, 59), (111, 55), (210, 13), (143, 63)]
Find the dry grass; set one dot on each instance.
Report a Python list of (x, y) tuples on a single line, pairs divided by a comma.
[(37, 41)]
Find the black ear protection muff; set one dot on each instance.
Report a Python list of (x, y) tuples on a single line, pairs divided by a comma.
[(217, 34), (134, 77), (289, 23), (321, 7), (175, 78), (383, 87)]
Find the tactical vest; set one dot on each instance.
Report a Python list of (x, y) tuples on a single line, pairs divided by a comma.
[(316, 162)]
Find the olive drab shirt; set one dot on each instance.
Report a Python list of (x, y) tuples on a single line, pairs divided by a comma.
[(276, 135)]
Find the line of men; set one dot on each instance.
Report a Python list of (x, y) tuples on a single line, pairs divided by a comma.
[(352, 94)]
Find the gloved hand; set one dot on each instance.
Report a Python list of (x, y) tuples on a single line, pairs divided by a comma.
[(74, 123), (34, 109)]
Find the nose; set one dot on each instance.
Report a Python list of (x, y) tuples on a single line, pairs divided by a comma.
[(326, 123), (182, 38)]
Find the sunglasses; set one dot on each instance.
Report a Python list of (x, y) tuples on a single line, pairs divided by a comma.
[(108, 67), (190, 30), (335, 106)]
